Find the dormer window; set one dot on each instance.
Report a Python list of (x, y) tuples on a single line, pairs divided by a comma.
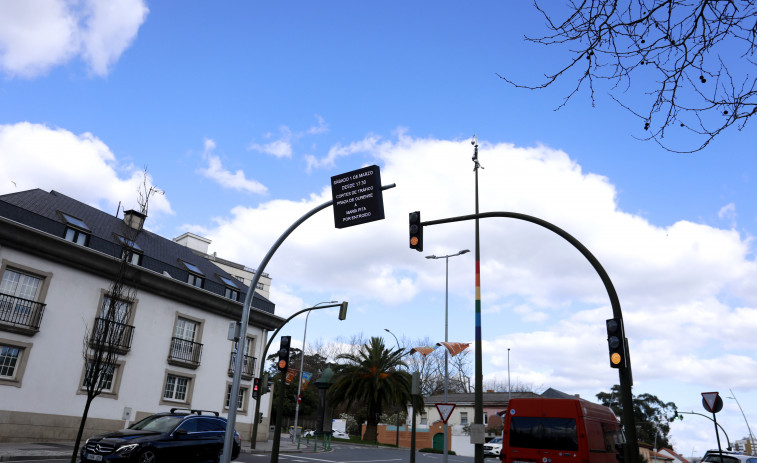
[(231, 290), (131, 251), (196, 277), (76, 231)]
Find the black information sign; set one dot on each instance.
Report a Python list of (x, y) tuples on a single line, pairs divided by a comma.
[(357, 197)]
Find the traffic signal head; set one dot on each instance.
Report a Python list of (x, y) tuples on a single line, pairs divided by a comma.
[(256, 388), (343, 311), (284, 353), (416, 231), (616, 341)]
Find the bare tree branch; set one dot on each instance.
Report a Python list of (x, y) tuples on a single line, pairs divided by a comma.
[(695, 57)]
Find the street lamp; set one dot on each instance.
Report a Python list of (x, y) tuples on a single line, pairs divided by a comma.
[(395, 337), (751, 436), (446, 338), (302, 362)]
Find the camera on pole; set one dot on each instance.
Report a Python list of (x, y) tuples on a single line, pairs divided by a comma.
[(284, 353)]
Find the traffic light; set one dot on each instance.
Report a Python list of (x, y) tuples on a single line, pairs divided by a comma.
[(260, 417), (284, 353), (256, 388), (416, 231), (343, 311), (616, 341)]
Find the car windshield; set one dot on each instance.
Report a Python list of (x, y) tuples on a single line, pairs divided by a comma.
[(496, 440), (158, 423)]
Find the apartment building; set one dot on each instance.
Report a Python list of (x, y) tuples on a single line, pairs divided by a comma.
[(58, 257)]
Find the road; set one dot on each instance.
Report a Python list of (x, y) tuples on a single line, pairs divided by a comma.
[(346, 453)]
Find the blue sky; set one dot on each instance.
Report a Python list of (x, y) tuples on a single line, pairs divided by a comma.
[(242, 112)]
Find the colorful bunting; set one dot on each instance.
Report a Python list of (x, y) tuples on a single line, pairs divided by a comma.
[(454, 348)]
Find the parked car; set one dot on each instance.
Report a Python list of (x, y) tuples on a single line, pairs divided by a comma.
[(713, 456), (181, 435), (340, 435), (493, 447)]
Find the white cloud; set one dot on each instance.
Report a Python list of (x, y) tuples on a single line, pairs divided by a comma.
[(36, 35), (80, 166), (280, 148), (235, 180), (673, 280)]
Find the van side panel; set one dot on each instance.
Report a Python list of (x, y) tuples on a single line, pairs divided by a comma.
[(541, 430)]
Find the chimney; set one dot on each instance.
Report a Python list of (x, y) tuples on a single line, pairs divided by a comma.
[(134, 219)]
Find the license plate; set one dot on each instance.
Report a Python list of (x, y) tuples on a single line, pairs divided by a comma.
[(93, 457)]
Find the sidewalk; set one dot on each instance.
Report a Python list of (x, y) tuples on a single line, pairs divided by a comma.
[(62, 450)]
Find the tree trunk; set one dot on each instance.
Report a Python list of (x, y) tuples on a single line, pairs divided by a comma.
[(83, 421)]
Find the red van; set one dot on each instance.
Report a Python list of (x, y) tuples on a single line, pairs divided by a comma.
[(541, 430)]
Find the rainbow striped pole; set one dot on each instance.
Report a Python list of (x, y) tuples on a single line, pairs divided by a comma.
[(478, 414)]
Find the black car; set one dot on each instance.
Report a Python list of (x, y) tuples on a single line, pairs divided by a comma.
[(178, 436)]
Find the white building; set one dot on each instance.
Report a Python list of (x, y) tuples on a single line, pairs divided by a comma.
[(57, 259)]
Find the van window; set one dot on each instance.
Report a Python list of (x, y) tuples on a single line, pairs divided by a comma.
[(543, 433)]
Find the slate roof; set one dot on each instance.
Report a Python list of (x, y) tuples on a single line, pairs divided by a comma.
[(41, 210)]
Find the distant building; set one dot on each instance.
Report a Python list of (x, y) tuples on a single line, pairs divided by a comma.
[(58, 257), (199, 245)]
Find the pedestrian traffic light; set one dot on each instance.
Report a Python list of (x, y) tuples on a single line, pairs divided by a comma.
[(343, 311), (416, 231), (260, 417), (284, 353), (256, 388), (616, 341)]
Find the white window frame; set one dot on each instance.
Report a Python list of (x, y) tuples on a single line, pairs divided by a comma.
[(171, 401), (24, 350)]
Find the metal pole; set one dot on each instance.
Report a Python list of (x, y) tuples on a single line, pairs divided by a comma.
[(751, 436), (446, 339), (395, 337), (299, 385), (509, 389), (232, 415), (478, 411)]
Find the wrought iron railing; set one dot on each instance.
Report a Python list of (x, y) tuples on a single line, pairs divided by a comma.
[(111, 334), (248, 365), (19, 312), (185, 351)]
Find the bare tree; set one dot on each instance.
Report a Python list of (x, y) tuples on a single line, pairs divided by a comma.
[(693, 56), (102, 344)]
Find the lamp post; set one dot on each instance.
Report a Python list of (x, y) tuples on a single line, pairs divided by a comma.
[(302, 362), (446, 338), (395, 337), (751, 436)]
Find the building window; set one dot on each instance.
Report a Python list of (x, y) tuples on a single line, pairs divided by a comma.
[(424, 419), (231, 290), (486, 418), (176, 388), (241, 398), (196, 277), (20, 295), (106, 377), (260, 286), (13, 359), (10, 356), (76, 231), (464, 418), (186, 350), (131, 251)]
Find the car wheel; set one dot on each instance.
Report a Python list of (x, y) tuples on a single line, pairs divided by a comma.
[(148, 456)]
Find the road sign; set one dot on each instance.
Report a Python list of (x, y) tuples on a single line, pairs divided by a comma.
[(712, 402), (357, 197), (445, 411)]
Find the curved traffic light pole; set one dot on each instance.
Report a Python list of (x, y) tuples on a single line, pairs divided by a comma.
[(631, 448), (232, 414)]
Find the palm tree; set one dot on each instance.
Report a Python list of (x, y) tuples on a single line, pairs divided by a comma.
[(371, 376)]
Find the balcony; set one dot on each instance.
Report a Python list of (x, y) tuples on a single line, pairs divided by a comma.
[(111, 335), (248, 366), (20, 315), (185, 353)]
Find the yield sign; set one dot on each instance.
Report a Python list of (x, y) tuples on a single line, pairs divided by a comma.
[(712, 402), (445, 410)]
